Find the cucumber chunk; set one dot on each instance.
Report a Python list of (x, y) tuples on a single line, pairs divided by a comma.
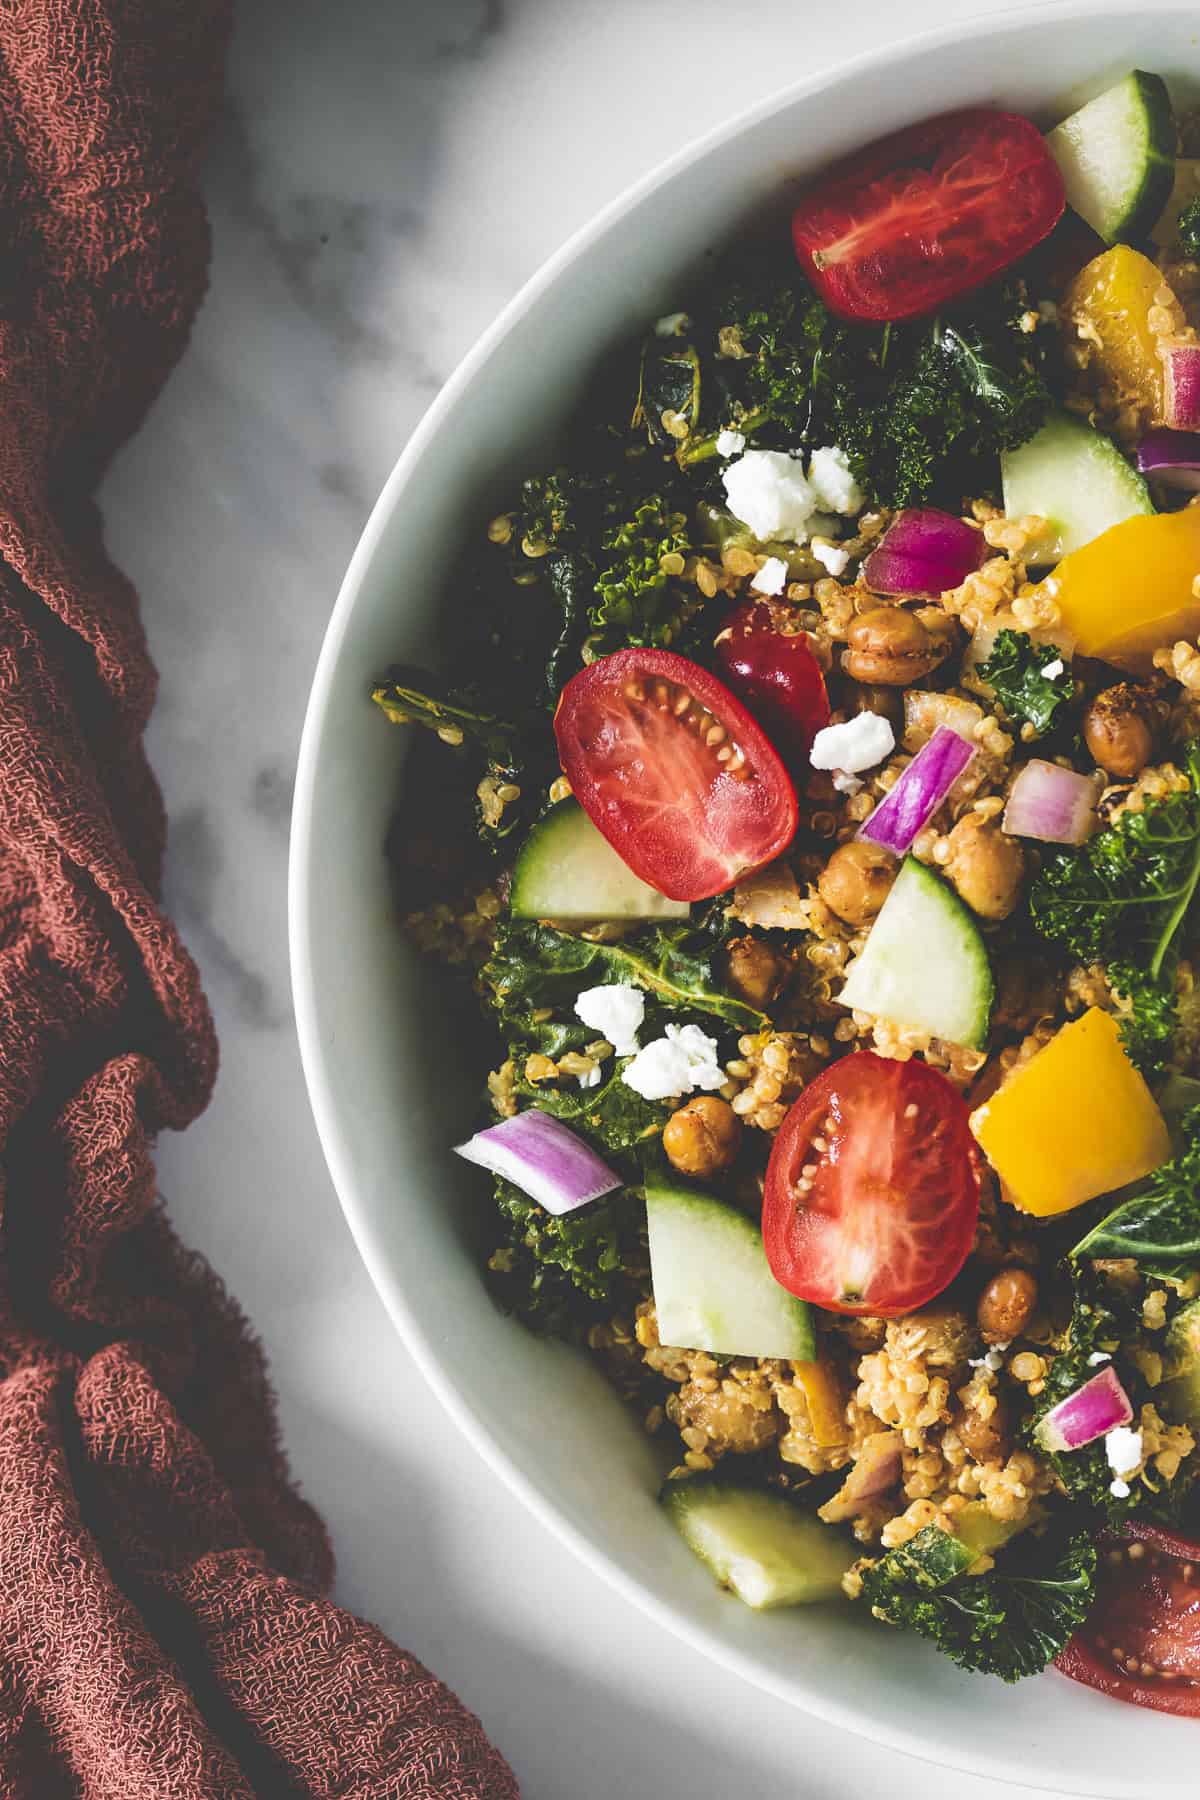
[(567, 870), (757, 1543), (1077, 480), (1117, 157), (925, 965), (713, 1287)]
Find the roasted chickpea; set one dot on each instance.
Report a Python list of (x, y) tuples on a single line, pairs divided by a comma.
[(985, 1439), (889, 647), (865, 697), (703, 1137), (754, 971), (856, 880), (1005, 1305), (1118, 730), (985, 866)]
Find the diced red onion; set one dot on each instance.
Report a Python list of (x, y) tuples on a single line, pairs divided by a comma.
[(922, 787), (1091, 1412), (1055, 805), (878, 1468), (544, 1158), (924, 551), (1181, 401), (1172, 457)]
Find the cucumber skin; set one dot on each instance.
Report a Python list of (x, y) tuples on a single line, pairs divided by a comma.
[(1142, 209), (709, 1496), (725, 1218), (957, 911), (564, 835)]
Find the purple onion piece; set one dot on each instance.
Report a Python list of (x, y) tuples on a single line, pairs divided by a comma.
[(1181, 368), (924, 551), (544, 1158), (1056, 806), (1172, 457), (1091, 1412), (921, 789)]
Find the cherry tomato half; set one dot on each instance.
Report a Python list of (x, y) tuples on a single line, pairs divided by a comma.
[(777, 676), (1142, 1640), (872, 1194), (674, 771), (928, 213)]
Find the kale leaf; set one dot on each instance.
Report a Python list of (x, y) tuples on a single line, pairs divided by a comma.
[(536, 973), (1014, 672), (1159, 1224), (1188, 227), (558, 1275), (1121, 899), (637, 600), (1009, 1622), (922, 409)]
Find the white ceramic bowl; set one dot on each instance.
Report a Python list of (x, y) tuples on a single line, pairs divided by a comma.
[(390, 1093)]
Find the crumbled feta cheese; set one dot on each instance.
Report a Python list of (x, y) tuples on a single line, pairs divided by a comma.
[(831, 555), (1123, 1448), (1053, 668), (1097, 1357), (683, 1060), (616, 1011), (730, 443), (591, 1077), (992, 1358), (671, 325), (845, 784), (832, 483), (860, 743), (771, 578), (767, 491), (1118, 1488)]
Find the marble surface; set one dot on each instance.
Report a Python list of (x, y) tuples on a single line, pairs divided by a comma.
[(386, 174)]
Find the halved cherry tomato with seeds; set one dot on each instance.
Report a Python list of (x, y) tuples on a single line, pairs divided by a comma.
[(1142, 1641), (674, 771), (927, 214), (872, 1191)]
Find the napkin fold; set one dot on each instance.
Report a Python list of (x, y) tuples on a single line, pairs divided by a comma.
[(165, 1631)]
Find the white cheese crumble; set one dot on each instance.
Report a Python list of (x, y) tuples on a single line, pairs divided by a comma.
[(1053, 668), (671, 325), (831, 481), (992, 1358), (858, 744), (616, 1011), (771, 578), (1097, 1357), (767, 491), (683, 1060), (846, 784), (1123, 1448), (591, 1077), (1120, 1489), (832, 556), (730, 443)]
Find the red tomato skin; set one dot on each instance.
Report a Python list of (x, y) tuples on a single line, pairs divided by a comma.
[(1084, 1661), (776, 674), (706, 829), (970, 193), (802, 1233)]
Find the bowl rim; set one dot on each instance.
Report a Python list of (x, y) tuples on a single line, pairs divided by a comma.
[(469, 1420)]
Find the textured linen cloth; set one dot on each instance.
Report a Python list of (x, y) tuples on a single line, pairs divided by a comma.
[(164, 1630)]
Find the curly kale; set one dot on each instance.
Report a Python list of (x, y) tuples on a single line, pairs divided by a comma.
[(638, 600), (1015, 671), (1122, 899), (1010, 1622), (1102, 1319), (1159, 1223), (922, 409), (1189, 227), (560, 1275)]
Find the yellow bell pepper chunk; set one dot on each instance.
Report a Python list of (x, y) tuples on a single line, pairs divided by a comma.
[(826, 1407), (1075, 1122), (1132, 590), (1109, 305)]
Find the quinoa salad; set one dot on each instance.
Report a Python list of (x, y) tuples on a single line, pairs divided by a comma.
[(810, 803)]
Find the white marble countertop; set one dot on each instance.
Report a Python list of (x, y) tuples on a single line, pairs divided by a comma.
[(386, 174)]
